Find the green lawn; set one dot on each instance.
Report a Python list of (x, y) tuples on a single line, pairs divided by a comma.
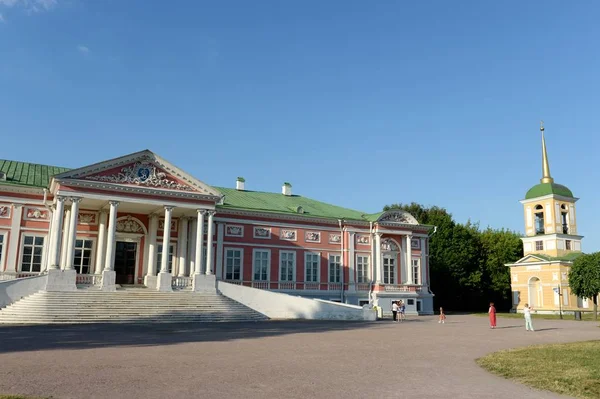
[(587, 316), (568, 369)]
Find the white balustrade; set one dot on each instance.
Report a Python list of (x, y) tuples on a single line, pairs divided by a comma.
[(334, 286), (12, 275), (312, 286), (287, 285), (402, 288), (261, 285), (181, 282), (362, 286), (89, 279)]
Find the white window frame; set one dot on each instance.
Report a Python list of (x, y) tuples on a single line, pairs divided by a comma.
[(391, 268), (541, 246), (241, 251), (318, 272), (27, 234), (254, 251), (366, 267), (92, 265), (415, 269), (568, 245), (3, 249), (173, 260), (329, 256), (295, 259)]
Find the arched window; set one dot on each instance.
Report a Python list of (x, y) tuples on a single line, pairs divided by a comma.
[(564, 217), (539, 220)]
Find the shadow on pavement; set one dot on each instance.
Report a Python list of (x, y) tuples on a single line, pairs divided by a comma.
[(86, 336)]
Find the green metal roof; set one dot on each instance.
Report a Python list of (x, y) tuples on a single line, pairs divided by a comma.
[(28, 174), (569, 257), (34, 175), (542, 189)]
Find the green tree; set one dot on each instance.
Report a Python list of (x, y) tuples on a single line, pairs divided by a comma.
[(584, 278)]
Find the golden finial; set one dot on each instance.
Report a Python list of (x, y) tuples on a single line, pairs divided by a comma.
[(546, 178)]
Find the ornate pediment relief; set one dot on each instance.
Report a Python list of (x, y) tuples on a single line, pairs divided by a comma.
[(398, 216), (389, 245)]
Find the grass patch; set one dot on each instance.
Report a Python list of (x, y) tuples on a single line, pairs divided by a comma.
[(587, 316), (568, 369)]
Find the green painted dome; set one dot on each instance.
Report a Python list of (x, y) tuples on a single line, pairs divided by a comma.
[(542, 189)]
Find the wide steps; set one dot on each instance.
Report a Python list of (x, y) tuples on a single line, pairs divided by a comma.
[(125, 306)]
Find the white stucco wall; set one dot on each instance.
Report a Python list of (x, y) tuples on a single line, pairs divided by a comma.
[(276, 305), (13, 290)]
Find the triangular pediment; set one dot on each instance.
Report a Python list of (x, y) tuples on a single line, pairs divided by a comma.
[(142, 169), (531, 258)]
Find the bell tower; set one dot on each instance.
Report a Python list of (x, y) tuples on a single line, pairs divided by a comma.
[(550, 216)]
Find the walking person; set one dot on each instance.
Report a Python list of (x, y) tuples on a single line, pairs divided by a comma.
[(492, 313), (402, 309), (527, 312), (395, 311), (442, 316)]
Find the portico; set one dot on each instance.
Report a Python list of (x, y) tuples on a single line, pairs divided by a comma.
[(136, 217)]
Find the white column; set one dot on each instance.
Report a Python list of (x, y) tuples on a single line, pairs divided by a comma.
[(378, 264), (199, 241), (209, 243), (56, 235), (100, 246), (152, 232), (65, 239), (219, 257), (182, 245), (109, 260), (423, 261), (164, 264), (72, 233), (192, 246), (409, 276), (165, 279), (48, 242), (351, 258)]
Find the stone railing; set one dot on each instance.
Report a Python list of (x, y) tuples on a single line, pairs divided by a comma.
[(12, 275), (334, 286), (362, 286), (179, 282), (88, 279), (262, 285), (402, 288), (297, 286)]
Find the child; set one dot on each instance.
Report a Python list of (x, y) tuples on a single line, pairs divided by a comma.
[(492, 313), (442, 316)]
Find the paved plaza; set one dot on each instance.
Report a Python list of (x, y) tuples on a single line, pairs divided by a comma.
[(279, 359)]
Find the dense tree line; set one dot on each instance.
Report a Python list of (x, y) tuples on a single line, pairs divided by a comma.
[(466, 262)]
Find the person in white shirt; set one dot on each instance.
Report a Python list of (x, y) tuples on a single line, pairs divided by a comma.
[(527, 312), (395, 310)]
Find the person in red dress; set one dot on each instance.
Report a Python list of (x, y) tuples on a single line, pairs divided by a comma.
[(492, 313)]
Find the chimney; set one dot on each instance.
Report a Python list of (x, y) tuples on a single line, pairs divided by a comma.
[(240, 184), (286, 189)]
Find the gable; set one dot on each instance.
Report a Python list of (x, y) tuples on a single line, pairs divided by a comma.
[(531, 259), (144, 169)]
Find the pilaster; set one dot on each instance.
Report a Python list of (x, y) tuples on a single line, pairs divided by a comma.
[(409, 275), (351, 260), (15, 232), (220, 237), (423, 261)]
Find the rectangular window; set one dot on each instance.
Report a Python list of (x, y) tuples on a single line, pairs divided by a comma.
[(539, 245), (362, 269), (1, 250), (311, 265), (159, 257), (363, 303), (33, 248), (568, 245), (416, 271), (335, 266), (565, 295), (287, 265), (233, 264), (262, 263), (388, 270), (83, 256)]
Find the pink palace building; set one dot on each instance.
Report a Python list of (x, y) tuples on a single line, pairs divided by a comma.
[(139, 220)]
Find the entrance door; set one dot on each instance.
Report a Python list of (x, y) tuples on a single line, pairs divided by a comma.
[(125, 262)]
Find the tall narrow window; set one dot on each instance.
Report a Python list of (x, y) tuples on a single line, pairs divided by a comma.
[(564, 212), (416, 271), (83, 256), (33, 247), (539, 220), (362, 269), (287, 262), (335, 266), (1, 249), (261, 265), (233, 264), (568, 245), (389, 266), (311, 265), (159, 252)]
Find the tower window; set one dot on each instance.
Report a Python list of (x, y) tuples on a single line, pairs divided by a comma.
[(564, 219), (539, 245), (539, 220), (568, 245)]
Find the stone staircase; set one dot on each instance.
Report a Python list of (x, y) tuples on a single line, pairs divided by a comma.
[(125, 306)]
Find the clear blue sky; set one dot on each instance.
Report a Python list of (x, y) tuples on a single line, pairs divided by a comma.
[(356, 103)]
